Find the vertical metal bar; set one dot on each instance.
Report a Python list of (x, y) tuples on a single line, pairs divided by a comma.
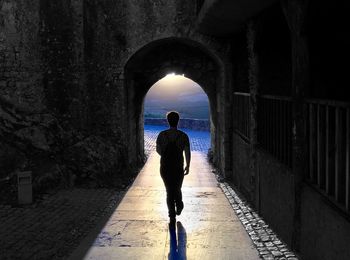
[(279, 150), (272, 136), (249, 125), (248, 117), (265, 123), (235, 110), (274, 127), (270, 133), (270, 125), (327, 149), (336, 158), (277, 125), (318, 133), (283, 148), (238, 113), (347, 163), (290, 137), (311, 165)]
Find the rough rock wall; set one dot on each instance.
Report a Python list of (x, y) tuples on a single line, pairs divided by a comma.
[(62, 63), (44, 100), (20, 53), (62, 54), (114, 31), (57, 156)]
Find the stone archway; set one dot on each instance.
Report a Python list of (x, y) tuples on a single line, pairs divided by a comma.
[(151, 63)]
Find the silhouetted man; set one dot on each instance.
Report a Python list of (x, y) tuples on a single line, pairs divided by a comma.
[(171, 144)]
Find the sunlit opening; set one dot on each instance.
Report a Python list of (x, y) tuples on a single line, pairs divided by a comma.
[(176, 92), (173, 74), (170, 75)]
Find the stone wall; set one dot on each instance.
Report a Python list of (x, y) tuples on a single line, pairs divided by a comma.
[(278, 65), (276, 195), (45, 101), (240, 167), (67, 60), (20, 53), (325, 229)]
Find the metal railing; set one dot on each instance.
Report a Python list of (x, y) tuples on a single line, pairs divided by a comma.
[(275, 126), (327, 125), (241, 103), (328, 148)]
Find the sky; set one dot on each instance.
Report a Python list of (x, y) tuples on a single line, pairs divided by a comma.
[(176, 92)]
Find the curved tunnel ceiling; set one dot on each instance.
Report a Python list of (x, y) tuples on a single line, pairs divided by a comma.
[(161, 57)]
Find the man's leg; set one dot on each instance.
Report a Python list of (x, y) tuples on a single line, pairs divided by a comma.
[(178, 195), (170, 200), (170, 197)]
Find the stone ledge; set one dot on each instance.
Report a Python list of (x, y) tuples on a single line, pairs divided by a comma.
[(193, 124)]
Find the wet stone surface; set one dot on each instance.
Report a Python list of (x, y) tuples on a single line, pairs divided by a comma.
[(57, 225), (138, 229), (267, 243)]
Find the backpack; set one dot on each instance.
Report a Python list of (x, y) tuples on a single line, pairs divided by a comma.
[(172, 157)]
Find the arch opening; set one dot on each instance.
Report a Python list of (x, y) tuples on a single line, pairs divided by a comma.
[(177, 93), (156, 60)]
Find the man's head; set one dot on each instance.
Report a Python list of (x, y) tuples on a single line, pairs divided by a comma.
[(173, 118)]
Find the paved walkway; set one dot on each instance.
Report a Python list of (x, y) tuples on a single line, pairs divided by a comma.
[(138, 229), (59, 222), (53, 226), (199, 140)]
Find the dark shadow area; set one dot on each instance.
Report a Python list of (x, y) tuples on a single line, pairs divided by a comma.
[(178, 242), (88, 239)]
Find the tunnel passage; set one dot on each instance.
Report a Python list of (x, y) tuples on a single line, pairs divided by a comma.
[(157, 59)]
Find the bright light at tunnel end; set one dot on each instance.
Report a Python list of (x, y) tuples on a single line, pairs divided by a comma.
[(173, 74)]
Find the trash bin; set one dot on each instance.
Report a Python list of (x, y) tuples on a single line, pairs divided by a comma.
[(25, 193)]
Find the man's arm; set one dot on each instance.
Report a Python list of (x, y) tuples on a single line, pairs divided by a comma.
[(158, 147), (187, 156)]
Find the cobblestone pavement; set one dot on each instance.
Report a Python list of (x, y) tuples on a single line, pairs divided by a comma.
[(199, 140), (265, 240), (53, 227)]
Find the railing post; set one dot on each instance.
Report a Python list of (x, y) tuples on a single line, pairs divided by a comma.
[(337, 154), (327, 150), (253, 59), (318, 144), (311, 147), (347, 163), (295, 12)]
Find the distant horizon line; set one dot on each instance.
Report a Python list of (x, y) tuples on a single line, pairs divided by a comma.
[(203, 119)]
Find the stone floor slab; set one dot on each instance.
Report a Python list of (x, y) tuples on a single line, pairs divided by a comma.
[(138, 229)]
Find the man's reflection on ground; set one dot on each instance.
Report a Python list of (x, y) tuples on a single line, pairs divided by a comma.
[(177, 242)]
